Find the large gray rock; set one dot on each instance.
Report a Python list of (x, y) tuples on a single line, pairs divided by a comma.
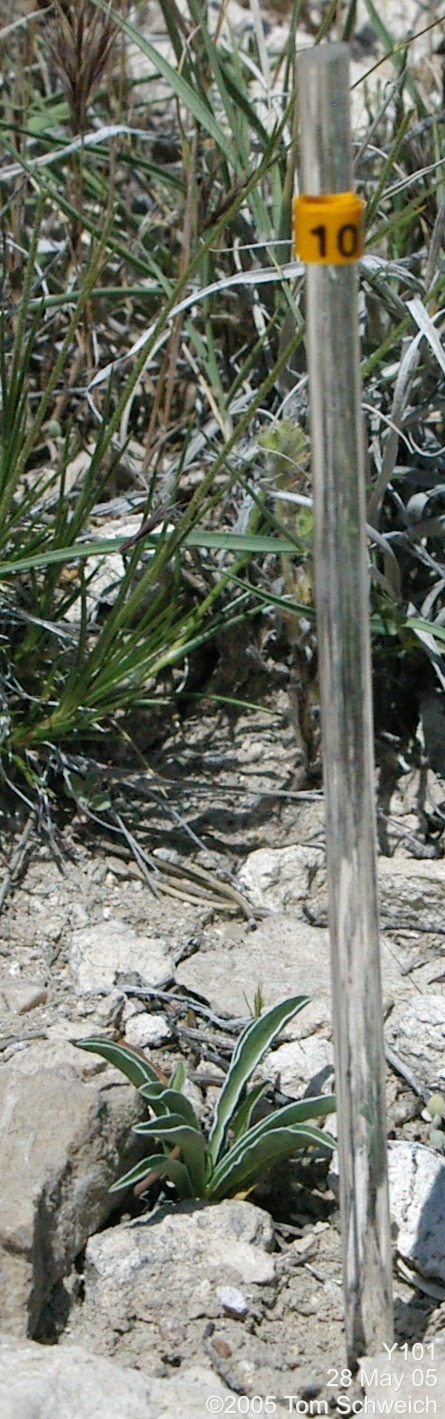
[(151, 1287), (412, 891), (281, 879), (300, 1065), (63, 1141), (22, 995), (100, 953), (417, 1202), (193, 1240), (416, 1030), (284, 955), (416, 1177), (276, 878), (39, 1382)]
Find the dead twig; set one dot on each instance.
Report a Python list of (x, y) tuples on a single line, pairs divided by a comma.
[(407, 1074), (17, 858)]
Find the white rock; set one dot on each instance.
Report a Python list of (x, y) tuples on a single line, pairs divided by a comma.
[(23, 995), (147, 1031), (314, 1018), (38, 1382), (78, 916), (232, 1301), (187, 1394), (299, 1063), (286, 956), (412, 890), (165, 1270), (193, 1240), (279, 878), (99, 953)]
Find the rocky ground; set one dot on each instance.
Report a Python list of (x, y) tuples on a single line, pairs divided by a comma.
[(184, 1306)]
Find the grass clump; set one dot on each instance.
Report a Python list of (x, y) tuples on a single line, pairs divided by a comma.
[(148, 343)]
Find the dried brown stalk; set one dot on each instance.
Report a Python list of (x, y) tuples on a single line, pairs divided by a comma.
[(80, 38)]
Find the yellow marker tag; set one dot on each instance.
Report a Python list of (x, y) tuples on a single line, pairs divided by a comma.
[(329, 229)]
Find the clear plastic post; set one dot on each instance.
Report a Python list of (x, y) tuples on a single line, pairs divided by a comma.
[(342, 594)]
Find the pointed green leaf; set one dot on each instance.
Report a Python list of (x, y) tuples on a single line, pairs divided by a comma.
[(271, 1146), (164, 1127), (175, 1132), (130, 1061), (298, 1111), (252, 1044), (228, 541), (163, 1167), (178, 1078), (157, 1104), (240, 1120), (169, 1101)]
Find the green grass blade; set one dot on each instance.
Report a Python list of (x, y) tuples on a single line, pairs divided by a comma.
[(418, 623), (226, 541)]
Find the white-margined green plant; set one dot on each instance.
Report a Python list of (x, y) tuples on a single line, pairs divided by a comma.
[(237, 1150)]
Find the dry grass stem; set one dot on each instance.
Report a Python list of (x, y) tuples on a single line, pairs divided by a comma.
[(80, 39)]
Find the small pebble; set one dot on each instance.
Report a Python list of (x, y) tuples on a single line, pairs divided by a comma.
[(222, 1348), (232, 1301)]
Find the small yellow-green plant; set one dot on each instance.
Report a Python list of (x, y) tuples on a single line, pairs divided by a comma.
[(436, 1110), (236, 1151)]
